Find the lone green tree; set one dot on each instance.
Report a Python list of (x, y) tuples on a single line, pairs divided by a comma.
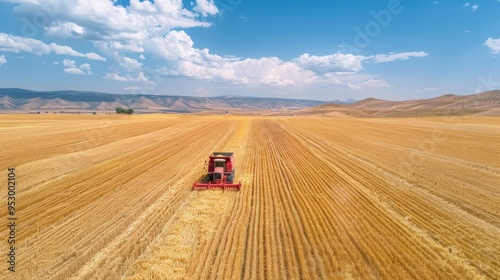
[(121, 110)]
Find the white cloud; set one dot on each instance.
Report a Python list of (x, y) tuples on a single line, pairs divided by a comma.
[(375, 83), (130, 64), (205, 7), (493, 44), (115, 77), (428, 89), (112, 29), (266, 70), (69, 63), (331, 63), (131, 88), (85, 67), (130, 36), (473, 7), (71, 68), (368, 84), (3, 60), (103, 21), (75, 71), (182, 59), (94, 56), (65, 30), (141, 78), (18, 44), (143, 6), (397, 56)]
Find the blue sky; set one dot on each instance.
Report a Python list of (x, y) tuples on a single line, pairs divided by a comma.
[(324, 50)]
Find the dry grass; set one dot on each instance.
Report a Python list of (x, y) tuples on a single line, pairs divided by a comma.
[(108, 197)]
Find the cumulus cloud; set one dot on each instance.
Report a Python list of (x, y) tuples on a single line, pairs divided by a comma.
[(140, 79), (72, 68), (368, 84), (105, 21), (115, 77), (331, 63), (3, 60), (181, 59), (94, 56), (74, 71), (130, 64), (397, 56), (205, 7), (65, 30), (68, 63), (130, 36), (113, 29), (493, 44), (19, 44)]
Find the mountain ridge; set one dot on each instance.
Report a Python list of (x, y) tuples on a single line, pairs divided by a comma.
[(485, 103), (15, 99), (22, 99)]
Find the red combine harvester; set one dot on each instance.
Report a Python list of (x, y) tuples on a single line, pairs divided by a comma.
[(220, 173)]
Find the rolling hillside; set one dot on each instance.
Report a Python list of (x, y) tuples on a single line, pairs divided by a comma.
[(483, 104), (20, 99)]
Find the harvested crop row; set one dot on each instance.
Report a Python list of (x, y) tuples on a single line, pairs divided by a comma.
[(451, 231), (322, 215), (196, 230), (321, 198), (95, 221)]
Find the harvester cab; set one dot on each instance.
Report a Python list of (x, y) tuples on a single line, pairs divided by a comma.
[(220, 173), (220, 168)]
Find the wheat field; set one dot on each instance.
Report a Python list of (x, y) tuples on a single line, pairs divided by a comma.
[(109, 197)]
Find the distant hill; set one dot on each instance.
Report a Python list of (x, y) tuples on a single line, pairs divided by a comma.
[(485, 103), (14, 99), (67, 100)]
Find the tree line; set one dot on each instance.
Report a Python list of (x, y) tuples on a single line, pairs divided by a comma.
[(121, 110)]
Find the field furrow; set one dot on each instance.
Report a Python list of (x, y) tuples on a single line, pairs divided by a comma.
[(109, 197)]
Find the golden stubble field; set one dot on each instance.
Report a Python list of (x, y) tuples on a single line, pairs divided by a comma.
[(109, 197)]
